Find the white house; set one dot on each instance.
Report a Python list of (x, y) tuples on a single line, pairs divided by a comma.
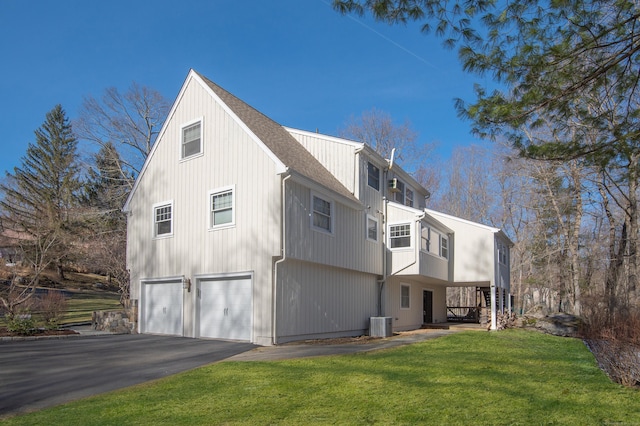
[(239, 228)]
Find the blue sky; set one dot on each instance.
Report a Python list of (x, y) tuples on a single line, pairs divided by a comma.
[(297, 61)]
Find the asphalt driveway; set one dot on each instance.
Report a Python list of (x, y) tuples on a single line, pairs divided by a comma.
[(42, 373)]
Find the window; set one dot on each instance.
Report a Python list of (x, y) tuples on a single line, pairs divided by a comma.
[(221, 204), (502, 253), (444, 247), (373, 176), (163, 220), (372, 228), (434, 242), (322, 214), (192, 139), (408, 197), (405, 296), (425, 234), (400, 235), (399, 194)]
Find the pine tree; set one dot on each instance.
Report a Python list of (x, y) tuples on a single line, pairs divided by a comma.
[(40, 198), (106, 191)]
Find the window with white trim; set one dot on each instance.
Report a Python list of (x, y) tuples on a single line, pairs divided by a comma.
[(400, 235), (221, 208), (163, 220), (322, 214), (444, 247), (502, 253), (408, 197), (405, 297), (434, 242), (373, 176), (424, 238), (191, 140), (399, 194), (372, 228)]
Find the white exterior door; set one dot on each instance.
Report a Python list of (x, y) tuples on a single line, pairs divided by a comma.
[(162, 308), (224, 308)]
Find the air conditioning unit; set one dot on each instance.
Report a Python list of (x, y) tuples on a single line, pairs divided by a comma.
[(381, 327), (393, 185)]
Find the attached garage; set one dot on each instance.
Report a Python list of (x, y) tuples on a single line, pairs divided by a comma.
[(224, 308), (161, 307)]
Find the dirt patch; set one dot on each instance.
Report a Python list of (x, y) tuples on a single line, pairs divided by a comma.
[(39, 332), (354, 340), (338, 340)]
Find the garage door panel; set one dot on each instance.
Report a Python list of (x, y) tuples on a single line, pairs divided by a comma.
[(163, 308), (225, 309)]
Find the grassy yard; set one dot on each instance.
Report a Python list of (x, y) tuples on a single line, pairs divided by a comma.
[(509, 377), (82, 305)]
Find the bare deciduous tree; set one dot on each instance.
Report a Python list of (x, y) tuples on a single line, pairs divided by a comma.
[(131, 121)]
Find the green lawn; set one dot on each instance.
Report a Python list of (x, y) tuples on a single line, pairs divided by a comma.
[(469, 378), (82, 305)]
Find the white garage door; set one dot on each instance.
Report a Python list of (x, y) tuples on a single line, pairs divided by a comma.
[(162, 308), (224, 308)]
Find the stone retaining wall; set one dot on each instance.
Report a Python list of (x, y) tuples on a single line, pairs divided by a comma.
[(124, 321)]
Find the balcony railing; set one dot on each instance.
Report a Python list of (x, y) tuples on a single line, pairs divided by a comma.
[(463, 314)]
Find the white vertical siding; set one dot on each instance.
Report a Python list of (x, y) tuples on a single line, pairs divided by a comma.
[(230, 157), (347, 247), (335, 156), (317, 301), (474, 250), (408, 319)]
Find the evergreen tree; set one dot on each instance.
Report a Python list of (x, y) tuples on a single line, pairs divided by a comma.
[(106, 191), (108, 183), (40, 197)]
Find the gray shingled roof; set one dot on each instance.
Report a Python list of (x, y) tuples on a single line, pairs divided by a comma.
[(280, 142)]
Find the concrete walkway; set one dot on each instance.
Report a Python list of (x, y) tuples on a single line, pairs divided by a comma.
[(318, 348)]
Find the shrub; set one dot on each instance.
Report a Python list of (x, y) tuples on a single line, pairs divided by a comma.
[(21, 323), (52, 307)]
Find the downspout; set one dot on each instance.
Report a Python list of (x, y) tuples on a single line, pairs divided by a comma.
[(383, 237), (356, 170), (494, 300), (283, 257)]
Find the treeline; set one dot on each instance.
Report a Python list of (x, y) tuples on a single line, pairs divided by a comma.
[(63, 209)]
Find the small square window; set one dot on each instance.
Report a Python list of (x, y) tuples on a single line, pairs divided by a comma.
[(405, 297), (372, 228), (400, 235), (192, 139), (221, 208), (163, 220), (373, 176), (322, 218)]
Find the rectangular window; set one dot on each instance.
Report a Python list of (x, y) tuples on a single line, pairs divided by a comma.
[(444, 247), (405, 297), (372, 228), (221, 205), (163, 220), (400, 235), (425, 243), (192, 139), (373, 176), (502, 253), (408, 197), (399, 194), (322, 214)]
